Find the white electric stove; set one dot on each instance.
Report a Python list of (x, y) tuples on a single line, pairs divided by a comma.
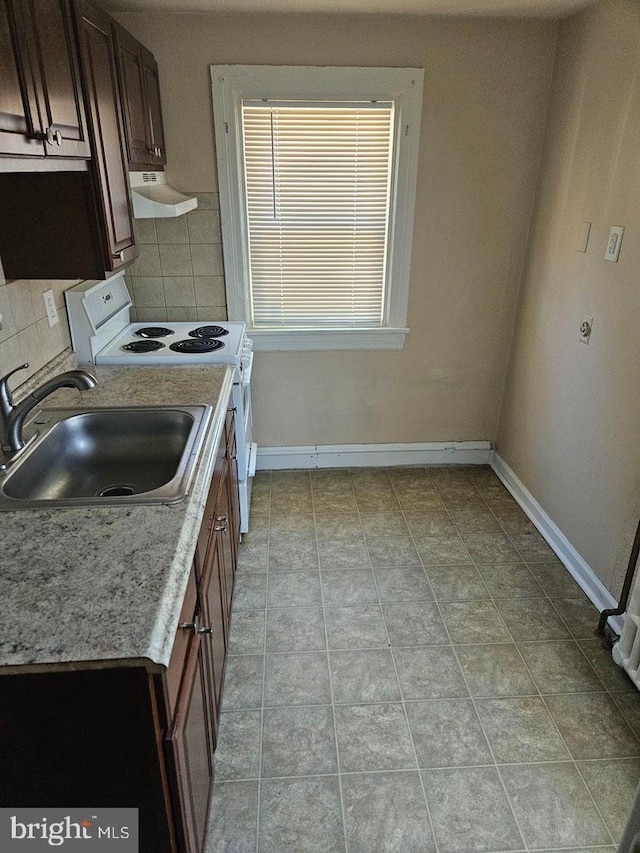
[(102, 333)]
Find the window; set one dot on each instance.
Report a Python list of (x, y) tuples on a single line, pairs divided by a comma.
[(317, 183)]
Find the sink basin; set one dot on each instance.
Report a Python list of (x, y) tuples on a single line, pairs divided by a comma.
[(106, 456)]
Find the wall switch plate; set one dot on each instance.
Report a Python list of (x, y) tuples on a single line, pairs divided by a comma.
[(50, 305), (583, 238), (586, 327), (613, 246)]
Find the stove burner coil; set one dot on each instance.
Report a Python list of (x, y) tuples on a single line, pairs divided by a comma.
[(143, 346), (154, 332), (196, 345), (209, 332)]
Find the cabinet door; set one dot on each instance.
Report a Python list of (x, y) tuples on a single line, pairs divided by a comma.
[(100, 78), (223, 529), (190, 750), (48, 26), (132, 84), (214, 600), (154, 109), (19, 122)]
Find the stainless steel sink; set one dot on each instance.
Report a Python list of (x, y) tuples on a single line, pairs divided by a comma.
[(102, 457)]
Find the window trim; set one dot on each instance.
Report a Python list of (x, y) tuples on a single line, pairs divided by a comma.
[(403, 86)]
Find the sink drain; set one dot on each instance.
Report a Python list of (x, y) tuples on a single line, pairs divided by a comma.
[(117, 492)]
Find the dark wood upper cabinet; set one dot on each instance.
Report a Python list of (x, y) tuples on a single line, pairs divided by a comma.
[(41, 105), (99, 67), (73, 224), (139, 86), (19, 124)]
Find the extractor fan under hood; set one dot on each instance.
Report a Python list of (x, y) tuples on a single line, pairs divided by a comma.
[(153, 198)]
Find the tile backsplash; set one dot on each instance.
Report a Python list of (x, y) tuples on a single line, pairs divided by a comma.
[(25, 335), (179, 274)]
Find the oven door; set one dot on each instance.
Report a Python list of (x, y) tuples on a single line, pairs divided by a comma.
[(241, 400)]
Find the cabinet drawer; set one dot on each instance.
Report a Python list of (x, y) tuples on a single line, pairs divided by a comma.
[(176, 667)]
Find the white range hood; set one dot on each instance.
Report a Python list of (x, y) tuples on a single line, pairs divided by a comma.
[(153, 198)]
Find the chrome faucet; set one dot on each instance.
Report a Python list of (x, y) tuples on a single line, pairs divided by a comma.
[(12, 417)]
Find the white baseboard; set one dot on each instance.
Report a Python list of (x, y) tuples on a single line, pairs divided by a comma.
[(579, 569), (374, 455)]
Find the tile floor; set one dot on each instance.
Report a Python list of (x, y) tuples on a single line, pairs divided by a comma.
[(411, 669)]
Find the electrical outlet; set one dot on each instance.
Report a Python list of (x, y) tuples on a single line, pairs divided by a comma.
[(586, 327), (50, 305)]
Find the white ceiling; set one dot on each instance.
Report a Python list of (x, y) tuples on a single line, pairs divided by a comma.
[(520, 8)]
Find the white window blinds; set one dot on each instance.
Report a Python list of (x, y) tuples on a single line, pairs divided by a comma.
[(317, 179)]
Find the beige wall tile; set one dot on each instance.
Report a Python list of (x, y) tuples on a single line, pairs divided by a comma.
[(145, 231), (181, 313), (37, 287), (172, 230), (212, 312), (175, 260), (10, 358), (179, 290), (151, 313), (207, 259), (53, 339), (20, 296), (147, 262), (208, 201), (210, 290), (147, 290), (31, 351), (204, 226), (8, 321), (59, 288)]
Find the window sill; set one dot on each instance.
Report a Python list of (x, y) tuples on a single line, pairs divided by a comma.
[(278, 340)]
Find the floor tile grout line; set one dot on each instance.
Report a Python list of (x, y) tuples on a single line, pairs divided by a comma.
[(420, 775), (333, 712), (556, 725), (473, 701), (427, 700), (404, 709), (264, 676), (574, 637)]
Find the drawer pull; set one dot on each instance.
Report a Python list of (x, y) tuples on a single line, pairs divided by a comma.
[(197, 629)]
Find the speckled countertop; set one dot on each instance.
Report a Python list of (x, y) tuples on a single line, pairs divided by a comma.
[(101, 587)]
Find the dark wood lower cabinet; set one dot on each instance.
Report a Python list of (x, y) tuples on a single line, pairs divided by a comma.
[(125, 736), (189, 743)]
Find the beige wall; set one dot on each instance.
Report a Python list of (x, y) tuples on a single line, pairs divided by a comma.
[(570, 427), (486, 89)]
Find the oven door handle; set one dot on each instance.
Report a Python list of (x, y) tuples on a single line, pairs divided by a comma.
[(248, 367)]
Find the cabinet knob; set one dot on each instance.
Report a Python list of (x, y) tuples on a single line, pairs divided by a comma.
[(157, 151), (118, 256), (48, 135), (204, 630), (58, 137)]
